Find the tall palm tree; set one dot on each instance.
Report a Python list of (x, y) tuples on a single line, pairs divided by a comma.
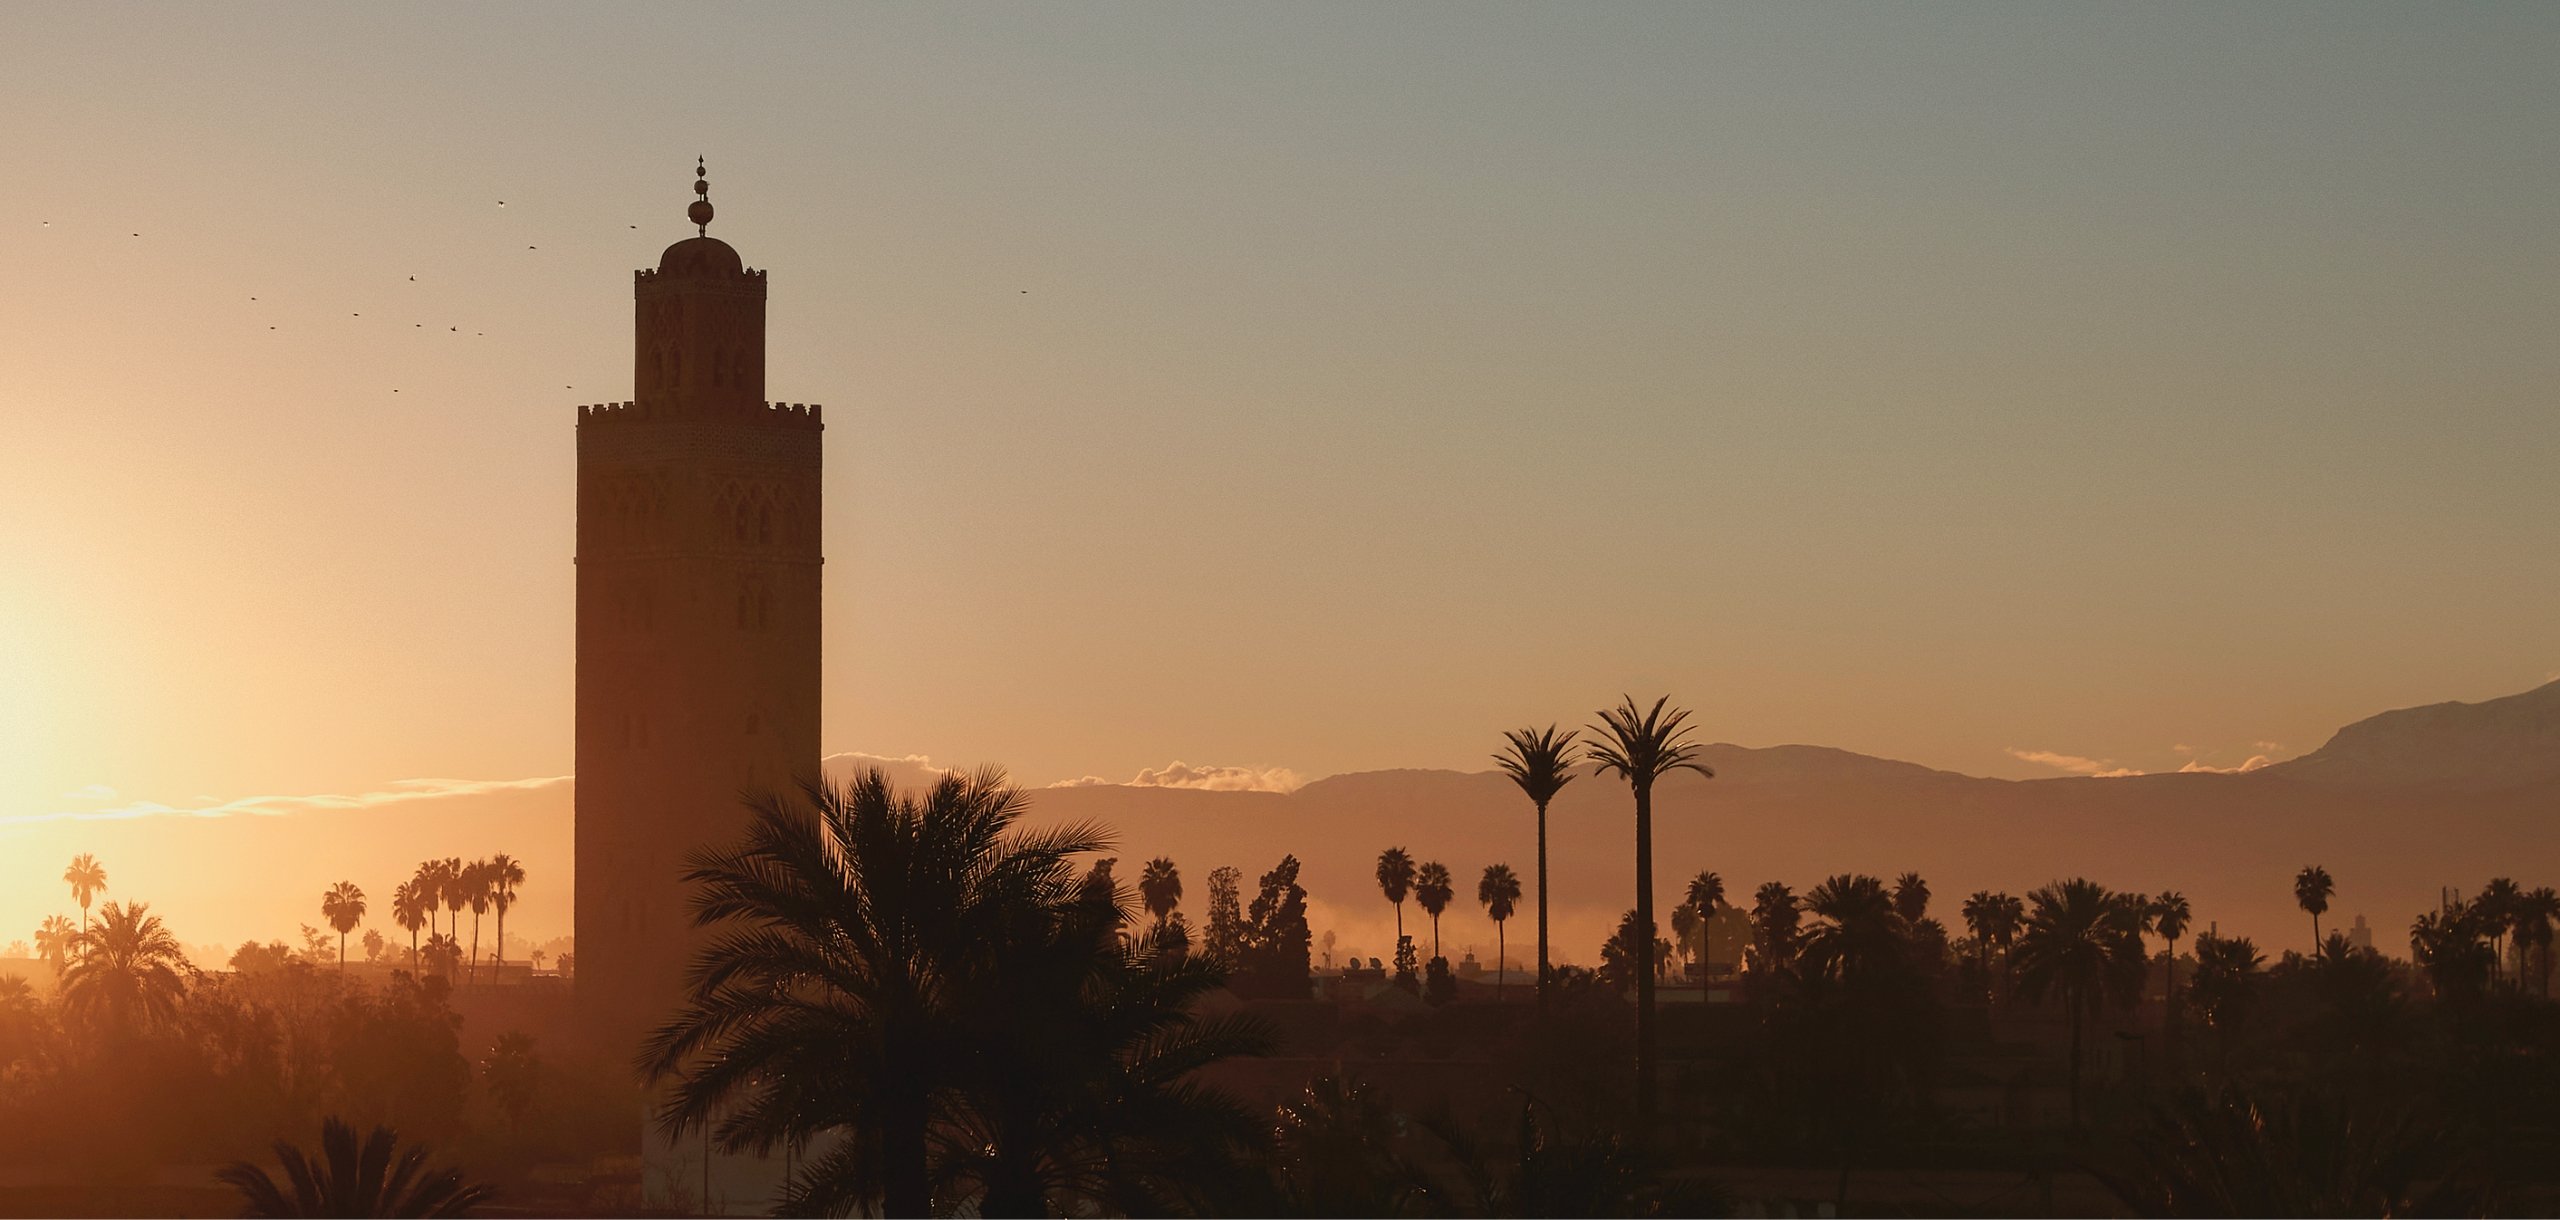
[(56, 939), (1706, 897), (1911, 898), (2497, 906), (88, 879), (1641, 747), (130, 973), (890, 966), (2537, 911), (505, 874), (343, 907), (1160, 887), (2170, 916), (411, 909), (345, 1180), (453, 884), (2084, 944), (1434, 890), (444, 955), (2012, 919), (475, 891), (1541, 763), (2311, 891), (1981, 911), (2226, 977), (1395, 880), (1499, 891)]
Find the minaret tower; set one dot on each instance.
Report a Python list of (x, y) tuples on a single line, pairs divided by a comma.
[(698, 564)]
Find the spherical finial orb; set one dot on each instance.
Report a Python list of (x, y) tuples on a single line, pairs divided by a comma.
[(700, 212)]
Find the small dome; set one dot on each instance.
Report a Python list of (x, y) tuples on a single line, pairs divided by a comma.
[(701, 257)]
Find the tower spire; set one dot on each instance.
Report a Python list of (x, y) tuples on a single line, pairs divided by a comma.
[(700, 212)]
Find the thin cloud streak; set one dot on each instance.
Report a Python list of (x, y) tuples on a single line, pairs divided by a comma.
[(396, 792), (1179, 774), (2094, 768)]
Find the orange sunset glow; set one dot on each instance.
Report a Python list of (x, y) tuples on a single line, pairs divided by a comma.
[(1132, 611)]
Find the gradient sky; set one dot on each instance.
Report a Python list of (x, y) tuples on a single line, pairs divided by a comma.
[(1318, 387)]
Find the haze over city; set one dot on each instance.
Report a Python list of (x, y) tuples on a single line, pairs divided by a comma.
[(1236, 420)]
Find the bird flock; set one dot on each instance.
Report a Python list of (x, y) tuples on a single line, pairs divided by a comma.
[(379, 308)]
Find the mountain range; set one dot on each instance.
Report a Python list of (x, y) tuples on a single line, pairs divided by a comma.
[(2397, 807)]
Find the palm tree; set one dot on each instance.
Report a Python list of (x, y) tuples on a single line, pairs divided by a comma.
[(343, 907), (1859, 931), (56, 939), (2170, 916), (345, 1180), (130, 972), (2536, 912), (412, 909), (1542, 764), (453, 885), (1981, 911), (1160, 886), (1911, 898), (431, 886), (1499, 891), (505, 874), (2226, 971), (88, 879), (476, 888), (1706, 897), (2083, 943), (2311, 891), (1434, 889), (901, 969), (1395, 880), (444, 955), (1775, 917), (2497, 905), (1641, 747)]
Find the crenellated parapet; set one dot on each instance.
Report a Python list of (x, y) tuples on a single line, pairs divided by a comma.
[(778, 414)]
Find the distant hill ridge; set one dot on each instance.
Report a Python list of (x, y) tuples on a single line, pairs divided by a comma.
[(2496, 743)]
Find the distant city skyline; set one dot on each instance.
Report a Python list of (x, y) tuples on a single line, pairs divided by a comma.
[(2017, 393)]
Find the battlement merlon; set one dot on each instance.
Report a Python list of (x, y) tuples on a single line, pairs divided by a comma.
[(782, 414)]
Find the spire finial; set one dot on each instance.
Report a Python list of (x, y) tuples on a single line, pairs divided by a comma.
[(700, 212)]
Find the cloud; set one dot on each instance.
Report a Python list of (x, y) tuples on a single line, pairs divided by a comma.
[(854, 759), (396, 792), (1180, 774), (2196, 766), (90, 792), (2095, 768)]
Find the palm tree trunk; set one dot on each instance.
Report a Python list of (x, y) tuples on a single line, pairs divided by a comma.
[(1501, 960), (2169, 1012), (1645, 1031), (1542, 908), (342, 953), (904, 1186), (498, 974), (475, 947), (413, 950)]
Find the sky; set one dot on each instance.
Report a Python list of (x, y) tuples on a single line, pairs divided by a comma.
[(1310, 388)]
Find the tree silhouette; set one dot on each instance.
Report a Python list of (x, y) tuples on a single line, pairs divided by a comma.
[(2450, 946), (1911, 898), (343, 907), (412, 908), (936, 982), (1277, 947), (2311, 891), (1859, 932), (2497, 906), (1641, 747), (1499, 891), (2225, 986), (1160, 886), (130, 972), (347, 1180), (2170, 916), (1434, 890), (56, 939), (1775, 921), (476, 890), (374, 945), (1541, 763), (2537, 911), (87, 879), (453, 884), (2083, 944), (1395, 880), (1223, 938), (444, 955), (505, 874), (513, 1074), (1705, 898)]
